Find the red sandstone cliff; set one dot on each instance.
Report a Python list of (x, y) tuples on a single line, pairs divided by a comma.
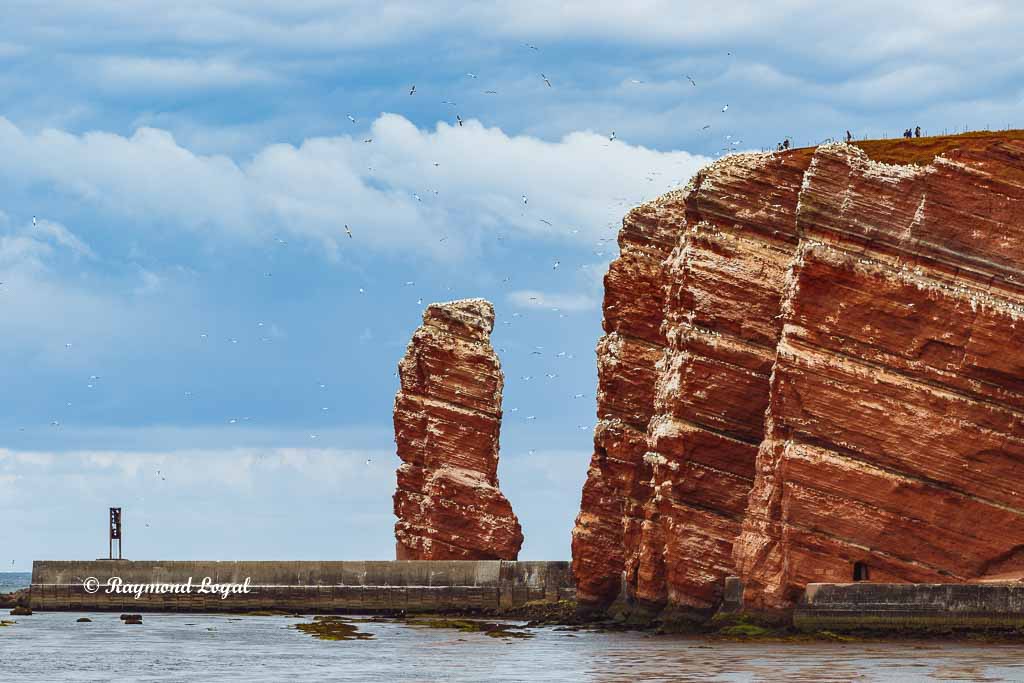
[(723, 289), (872, 312), (611, 511), (447, 423), (895, 430)]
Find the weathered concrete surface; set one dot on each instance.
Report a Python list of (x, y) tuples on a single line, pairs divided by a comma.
[(352, 586), (901, 606), (447, 422)]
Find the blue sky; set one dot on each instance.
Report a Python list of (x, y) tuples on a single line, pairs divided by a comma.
[(190, 333)]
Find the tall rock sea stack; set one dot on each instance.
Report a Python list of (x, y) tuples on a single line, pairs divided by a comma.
[(447, 423), (837, 381)]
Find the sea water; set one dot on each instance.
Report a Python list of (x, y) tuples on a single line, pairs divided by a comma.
[(195, 647), (14, 581)]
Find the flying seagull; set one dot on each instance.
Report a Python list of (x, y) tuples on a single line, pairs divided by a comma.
[(459, 119), (546, 80), (725, 108), (348, 231), (351, 118), (412, 90), (692, 82)]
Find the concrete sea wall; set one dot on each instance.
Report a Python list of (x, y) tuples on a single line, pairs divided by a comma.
[(898, 606), (340, 586)]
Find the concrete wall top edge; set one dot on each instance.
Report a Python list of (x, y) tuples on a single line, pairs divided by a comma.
[(309, 572)]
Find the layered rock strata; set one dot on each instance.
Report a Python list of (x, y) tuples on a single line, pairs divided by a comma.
[(872, 312), (447, 421), (894, 442), (723, 283), (612, 508)]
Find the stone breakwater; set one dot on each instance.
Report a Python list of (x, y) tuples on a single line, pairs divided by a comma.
[(343, 586), (813, 371), (447, 423)]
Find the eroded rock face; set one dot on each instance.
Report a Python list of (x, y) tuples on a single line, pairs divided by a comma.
[(895, 430), (723, 284), (837, 377), (611, 512), (447, 422)]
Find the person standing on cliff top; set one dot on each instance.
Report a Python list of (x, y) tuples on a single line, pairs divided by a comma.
[(849, 138), (917, 132)]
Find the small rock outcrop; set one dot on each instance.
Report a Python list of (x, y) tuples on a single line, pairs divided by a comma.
[(447, 423)]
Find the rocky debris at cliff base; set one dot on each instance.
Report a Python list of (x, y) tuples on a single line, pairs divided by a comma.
[(19, 598), (544, 613)]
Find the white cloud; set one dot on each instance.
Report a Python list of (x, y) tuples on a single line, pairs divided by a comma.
[(150, 74), (203, 468), (434, 191), (63, 237), (867, 29), (529, 298)]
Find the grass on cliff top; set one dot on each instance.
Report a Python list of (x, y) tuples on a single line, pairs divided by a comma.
[(921, 151)]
